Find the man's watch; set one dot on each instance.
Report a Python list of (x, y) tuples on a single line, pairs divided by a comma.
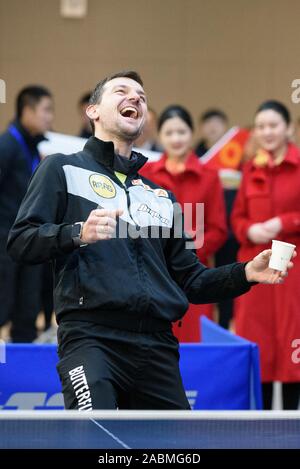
[(77, 233)]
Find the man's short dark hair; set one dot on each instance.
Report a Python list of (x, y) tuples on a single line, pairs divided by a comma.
[(210, 113), (98, 91), (30, 96)]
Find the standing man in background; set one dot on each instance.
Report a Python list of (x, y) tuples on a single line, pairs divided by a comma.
[(21, 285), (85, 129), (213, 125)]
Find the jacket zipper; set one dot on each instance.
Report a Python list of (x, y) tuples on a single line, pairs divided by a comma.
[(141, 275), (116, 180), (127, 198), (129, 206), (138, 227)]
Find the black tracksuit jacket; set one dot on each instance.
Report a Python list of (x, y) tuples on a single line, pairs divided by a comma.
[(116, 280)]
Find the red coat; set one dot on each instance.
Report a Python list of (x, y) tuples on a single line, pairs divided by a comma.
[(270, 315), (196, 184)]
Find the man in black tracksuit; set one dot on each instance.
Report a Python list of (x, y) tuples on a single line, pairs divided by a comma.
[(123, 274)]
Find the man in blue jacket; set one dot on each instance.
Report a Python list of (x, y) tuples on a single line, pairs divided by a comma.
[(122, 272)]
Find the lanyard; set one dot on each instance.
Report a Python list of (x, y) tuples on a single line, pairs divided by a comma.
[(32, 159)]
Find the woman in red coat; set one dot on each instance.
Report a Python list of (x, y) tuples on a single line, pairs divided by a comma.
[(180, 171), (268, 207)]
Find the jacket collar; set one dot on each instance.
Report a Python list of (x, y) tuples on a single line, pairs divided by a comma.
[(32, 142), (292, 157), (192, 165), (104, 153)]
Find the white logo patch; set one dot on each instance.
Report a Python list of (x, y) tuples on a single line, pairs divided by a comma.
[(147, 207), (150, 209)]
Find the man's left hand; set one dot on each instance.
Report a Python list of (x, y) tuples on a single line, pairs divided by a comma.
[(258, 269)]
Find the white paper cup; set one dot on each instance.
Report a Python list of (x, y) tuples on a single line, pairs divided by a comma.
[(281, 255)]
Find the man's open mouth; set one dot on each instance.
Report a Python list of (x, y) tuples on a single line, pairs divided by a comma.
[(129, 111)]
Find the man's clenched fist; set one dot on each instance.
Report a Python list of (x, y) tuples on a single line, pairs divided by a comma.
[(101, 224)]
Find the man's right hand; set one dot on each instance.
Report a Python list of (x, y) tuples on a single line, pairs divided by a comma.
[(100, 225)]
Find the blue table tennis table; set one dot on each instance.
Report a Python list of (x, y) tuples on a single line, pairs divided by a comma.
[(124, 430)]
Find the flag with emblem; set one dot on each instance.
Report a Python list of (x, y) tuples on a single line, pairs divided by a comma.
[(228, 151)]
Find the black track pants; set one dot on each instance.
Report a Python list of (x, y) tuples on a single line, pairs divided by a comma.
[(105, 368)]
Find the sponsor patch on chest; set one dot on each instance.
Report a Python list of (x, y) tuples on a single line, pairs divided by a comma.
[(141, 205)]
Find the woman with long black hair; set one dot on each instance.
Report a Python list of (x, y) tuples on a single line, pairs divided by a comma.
[(268, 207)]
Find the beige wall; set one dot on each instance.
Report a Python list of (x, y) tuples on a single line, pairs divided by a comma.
[(231, 53)]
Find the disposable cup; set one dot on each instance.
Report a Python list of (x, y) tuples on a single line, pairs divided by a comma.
[(281, 255)]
